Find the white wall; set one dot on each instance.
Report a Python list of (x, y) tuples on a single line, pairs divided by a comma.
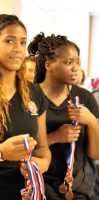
[(94, 47), (6, 6), (71, 18), (74, 24)]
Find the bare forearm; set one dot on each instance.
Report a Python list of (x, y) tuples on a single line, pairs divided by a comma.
[(52, 138), (42, 157)]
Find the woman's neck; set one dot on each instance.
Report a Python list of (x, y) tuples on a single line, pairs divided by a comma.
[(9, 86), (55, 87), (55, 92)]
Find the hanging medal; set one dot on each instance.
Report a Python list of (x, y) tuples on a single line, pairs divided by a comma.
[(66, 187)]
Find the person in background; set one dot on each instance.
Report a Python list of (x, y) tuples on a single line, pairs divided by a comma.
[(56, 74), (96, 95), (95, 84), (81, 76), (84, 80), (21, 115), (29, 68)]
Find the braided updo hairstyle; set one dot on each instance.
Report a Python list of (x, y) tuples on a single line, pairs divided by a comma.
[(44, 48)]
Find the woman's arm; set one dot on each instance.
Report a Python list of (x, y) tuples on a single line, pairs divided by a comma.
[(64, 134), (13, 148), (84, 116), (42, 154)]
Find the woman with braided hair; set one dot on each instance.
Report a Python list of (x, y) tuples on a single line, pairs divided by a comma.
[(22, 112), (56, 74)]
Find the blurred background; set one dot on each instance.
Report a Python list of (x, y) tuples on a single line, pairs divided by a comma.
[(76, 19)]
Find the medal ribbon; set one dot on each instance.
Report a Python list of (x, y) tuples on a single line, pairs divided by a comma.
[(66, 187), (35, 184), (70, 159)]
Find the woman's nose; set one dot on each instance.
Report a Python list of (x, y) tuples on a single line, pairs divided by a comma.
[(75, 67), (17, 47)]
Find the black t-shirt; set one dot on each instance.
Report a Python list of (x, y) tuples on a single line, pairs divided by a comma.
[(22, 122), (83, 166)]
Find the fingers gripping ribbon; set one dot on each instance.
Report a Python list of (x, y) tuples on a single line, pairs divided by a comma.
[(34, 186)]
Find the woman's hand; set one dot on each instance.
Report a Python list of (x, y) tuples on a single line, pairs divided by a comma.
[(24, 171), (81, 115), (64, 134), (13, 149), (68, 133)]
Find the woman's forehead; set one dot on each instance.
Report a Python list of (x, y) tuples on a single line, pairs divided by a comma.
[(14, 30), (66, 51)]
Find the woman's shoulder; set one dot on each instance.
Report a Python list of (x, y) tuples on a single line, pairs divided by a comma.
[(38, 96), (86, 97), (81, 91)]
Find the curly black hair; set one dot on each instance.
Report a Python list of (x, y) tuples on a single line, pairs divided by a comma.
[(44, 48)]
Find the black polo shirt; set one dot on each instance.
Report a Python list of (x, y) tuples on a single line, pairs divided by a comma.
[(83, 166), (22, 122)]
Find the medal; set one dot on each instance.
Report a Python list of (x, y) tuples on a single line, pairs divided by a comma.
[(26, 194), (26, 197), (66, 187), (69, 195), (62, 188), (69, 179)]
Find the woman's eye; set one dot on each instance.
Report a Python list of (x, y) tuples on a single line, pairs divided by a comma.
[(10, 41), (23, 43), (68, 62)]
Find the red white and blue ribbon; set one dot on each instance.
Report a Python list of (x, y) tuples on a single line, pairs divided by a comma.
[(34, 186), (70, 159)]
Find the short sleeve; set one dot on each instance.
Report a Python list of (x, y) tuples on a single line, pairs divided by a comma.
[(87, 99), (93, 106), (38, 97)]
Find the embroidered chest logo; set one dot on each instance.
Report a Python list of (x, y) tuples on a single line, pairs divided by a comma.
[(32, 108)]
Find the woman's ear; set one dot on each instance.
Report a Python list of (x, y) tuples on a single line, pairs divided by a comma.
[(48, 65)]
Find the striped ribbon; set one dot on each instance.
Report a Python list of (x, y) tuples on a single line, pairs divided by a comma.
[(34, 186), (70, 159)]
